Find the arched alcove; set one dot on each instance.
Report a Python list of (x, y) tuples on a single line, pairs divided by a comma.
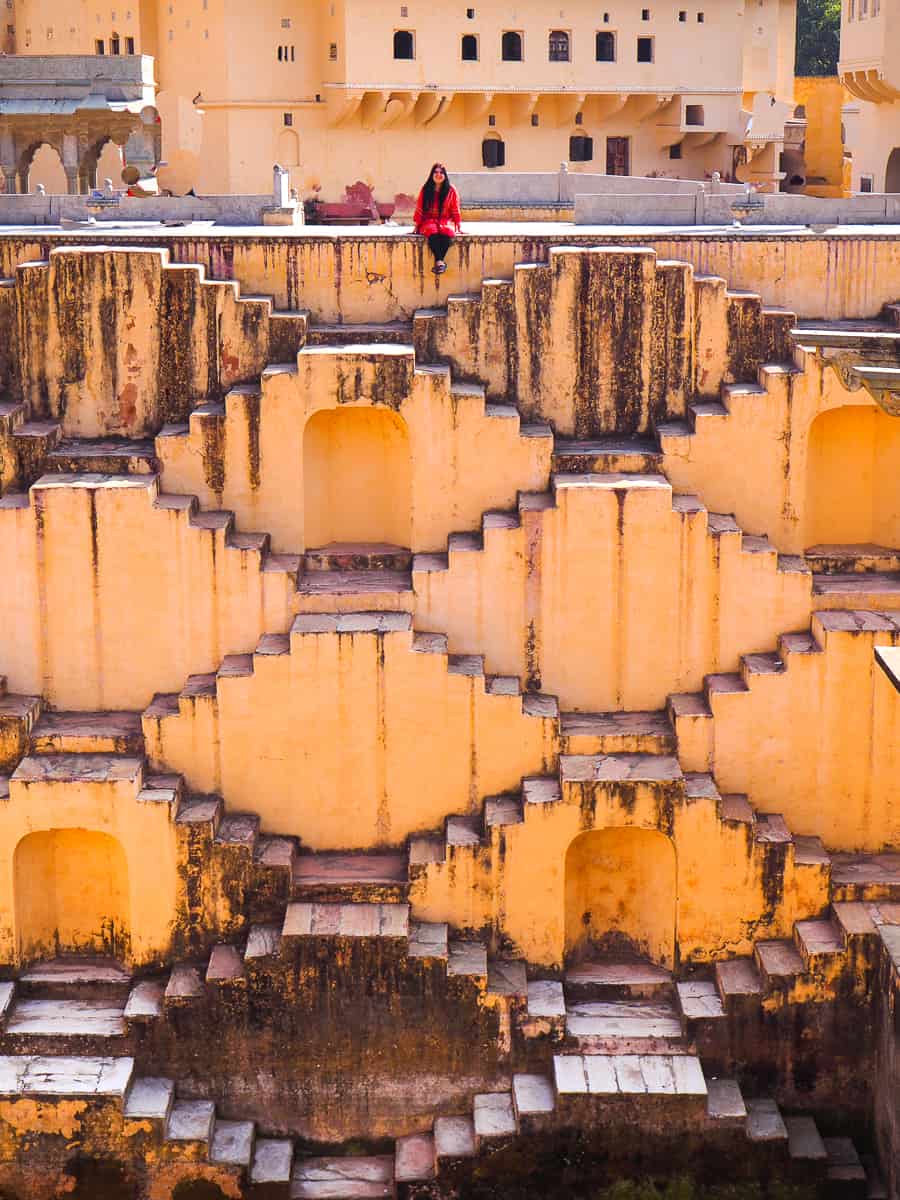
[(357, 477), (46, 168), (853, 464), (288, 152), (892, 173), (71, 894), (110, 162), (621, 895)]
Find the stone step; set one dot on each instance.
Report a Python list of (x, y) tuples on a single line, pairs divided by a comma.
[(640, 455), (872, 339), (145, 1001), (72, 1076), (398, 333), (848, 559), (368, 587), (62, 769), (363, 920), (191, 1121), (103, 456), (357, 556), (844, 1172), (629, 1074), (699, 1000), (351, 877), (623, 1025), (273, 1161), (818, 941), (738, 979), (57, 1018), (150, 1099), (75, 977), (804, 1140), (617, 732), (184, 985), (18, 716), (232, 1143), (349, 1178), (467, 958), (779, 962), (856, 590), (614, 978), (764, 1121), (428, 939), (865, 876), (88, 733), (454, 1139), (534, 1101), (725, 1102), (414, 1158)]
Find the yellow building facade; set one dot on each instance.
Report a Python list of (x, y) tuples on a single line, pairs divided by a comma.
[(869, 70), (340, 92)]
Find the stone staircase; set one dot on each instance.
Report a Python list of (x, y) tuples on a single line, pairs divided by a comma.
[(190, 1132)]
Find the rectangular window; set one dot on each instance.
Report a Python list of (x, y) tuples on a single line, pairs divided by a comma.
[(535, 120), (682, 16), (866, 183), (99, 47), (285, 22), (645, 50), (288, 119), (606, 18), (581, 148), (470, 13), (618, 156), (693, 114), (645, 14), (332, 51), (605, 46), (699, 18), (675, 151), (129, 45), (469, 48)]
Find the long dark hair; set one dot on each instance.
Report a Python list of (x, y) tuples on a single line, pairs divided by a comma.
[(428, 189)]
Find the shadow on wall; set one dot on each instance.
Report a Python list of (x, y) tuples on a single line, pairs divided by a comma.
[(197, 1189), (357, 472), (71, 895), (99, 1179), (621, 895), (851, 482)]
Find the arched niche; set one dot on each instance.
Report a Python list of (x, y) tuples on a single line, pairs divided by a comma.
[(71, 894), (357, 477), (621, 895)]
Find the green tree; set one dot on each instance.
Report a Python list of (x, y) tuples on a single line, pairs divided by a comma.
[(818, 36)]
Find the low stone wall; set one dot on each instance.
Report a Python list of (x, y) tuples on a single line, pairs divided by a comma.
[(514, 188), (52, 210), (678, 207)]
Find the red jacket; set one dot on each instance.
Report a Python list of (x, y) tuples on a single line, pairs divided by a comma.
[(446, 220)]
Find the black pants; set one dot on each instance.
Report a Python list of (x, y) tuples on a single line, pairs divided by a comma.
[(439, 244)]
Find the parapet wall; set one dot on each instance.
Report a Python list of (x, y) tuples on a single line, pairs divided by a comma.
[(384, 274)]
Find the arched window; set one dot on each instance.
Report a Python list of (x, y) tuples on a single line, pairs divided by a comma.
[(470, 48), (581, 148), (114, 43), (403, 44), (559, 45), (511, 46), (493, 152), (606, 47)]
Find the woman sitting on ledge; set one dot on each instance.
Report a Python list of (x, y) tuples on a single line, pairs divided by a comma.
[(437, 215)]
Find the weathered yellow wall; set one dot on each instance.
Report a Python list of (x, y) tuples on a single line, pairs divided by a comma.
[(71, 888), (368, 735), (620, 895), (77, 858), (822, 96), (357, 477)]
